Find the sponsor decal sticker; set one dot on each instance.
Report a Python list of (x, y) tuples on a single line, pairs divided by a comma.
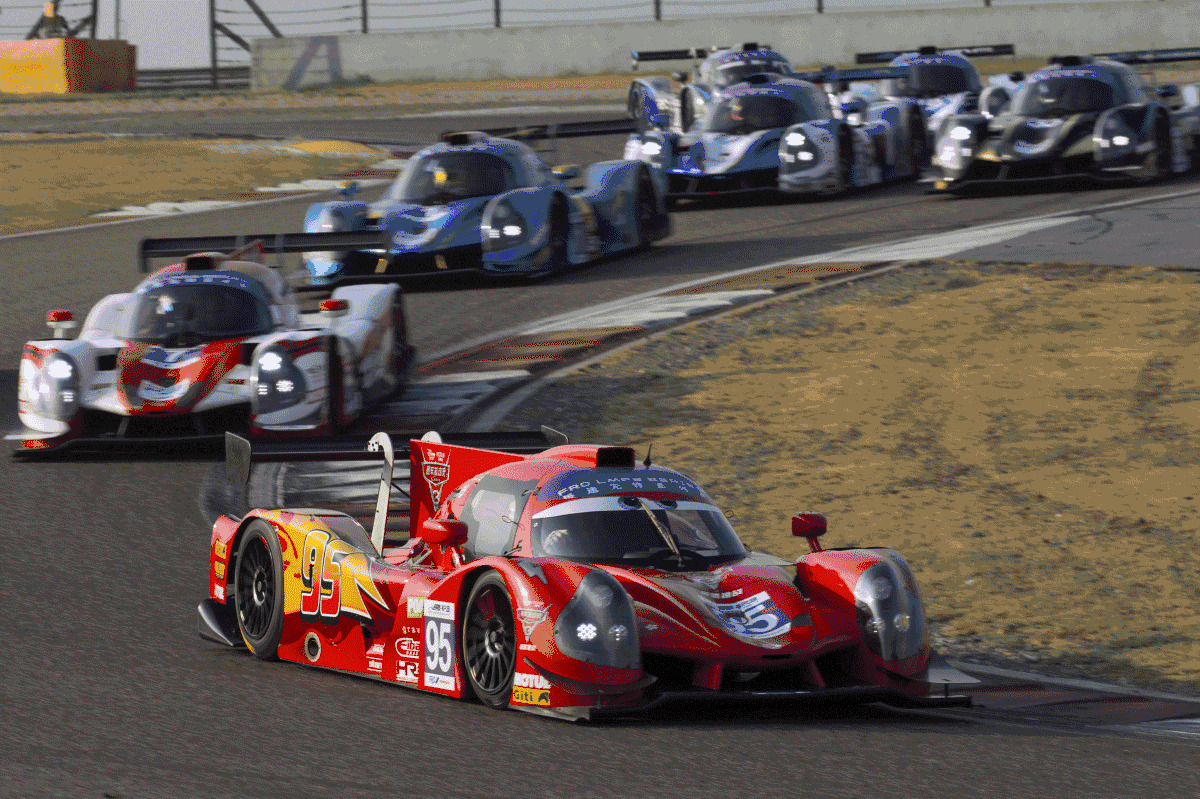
[(754, 617), (440, 650), (406, 672), (408, 648), (530, 696), (531, 617), (415, 606), (523, 680), (219, 591), (219, 570), (375, 658), (436, 469), (220, 549)]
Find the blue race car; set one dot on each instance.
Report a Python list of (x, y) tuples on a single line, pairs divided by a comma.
[(654, 102), (780, 132), (943, 80), (489, 204)]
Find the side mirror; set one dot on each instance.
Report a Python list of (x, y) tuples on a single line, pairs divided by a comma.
[(811, 525), (1016, 76), (332, 309), (60, 322), (682, 77), (567, 171), (1167, 90), (444, 532)]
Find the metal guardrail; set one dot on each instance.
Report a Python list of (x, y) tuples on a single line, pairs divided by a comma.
[(194, 78)]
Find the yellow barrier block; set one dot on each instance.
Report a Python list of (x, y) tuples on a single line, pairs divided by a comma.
[(62, 66)]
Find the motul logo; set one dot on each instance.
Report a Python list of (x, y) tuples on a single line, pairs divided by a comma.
[(531, 681)]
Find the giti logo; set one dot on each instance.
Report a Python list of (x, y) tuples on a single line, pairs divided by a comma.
[(531, 681)]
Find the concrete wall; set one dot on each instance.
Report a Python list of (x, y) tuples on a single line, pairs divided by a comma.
[(806, 38)]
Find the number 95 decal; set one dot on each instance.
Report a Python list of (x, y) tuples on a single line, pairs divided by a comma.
[(439, 645)]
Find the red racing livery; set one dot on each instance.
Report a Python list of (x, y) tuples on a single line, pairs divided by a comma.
[(574, 582)]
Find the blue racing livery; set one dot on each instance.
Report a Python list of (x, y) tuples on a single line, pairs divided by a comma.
[(655, 103), (490, 204), (781, 132), (943, 81)]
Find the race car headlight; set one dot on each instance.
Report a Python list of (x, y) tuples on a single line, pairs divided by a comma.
[(276, 382), (652, 151), (327, 220), (890, 613), (53, 391), (799, 153), (1114, 138), (955, 147), (598, 624), (505, 227)]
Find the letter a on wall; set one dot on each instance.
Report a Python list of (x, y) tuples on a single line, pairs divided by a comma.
[(333, 61)]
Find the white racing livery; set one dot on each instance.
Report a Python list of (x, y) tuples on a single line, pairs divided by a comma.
[(216, 342)]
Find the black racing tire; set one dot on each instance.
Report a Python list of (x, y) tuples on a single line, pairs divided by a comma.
[(845, 162), (1162, 150), (637, 110), (687, 111), (258, 590), (645, 208), (489, 641), (918, 142), (558, 260)]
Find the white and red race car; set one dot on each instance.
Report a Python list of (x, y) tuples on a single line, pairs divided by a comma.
[(213, 343)]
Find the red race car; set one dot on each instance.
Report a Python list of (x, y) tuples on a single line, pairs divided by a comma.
[(571, 582)]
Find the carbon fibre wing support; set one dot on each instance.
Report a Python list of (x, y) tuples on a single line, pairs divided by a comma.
[(971, 51), (269, 242)]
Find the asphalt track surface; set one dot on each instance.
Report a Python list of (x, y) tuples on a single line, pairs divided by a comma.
[(107, 691)]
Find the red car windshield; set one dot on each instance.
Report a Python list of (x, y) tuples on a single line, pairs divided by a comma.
[(633, 531)]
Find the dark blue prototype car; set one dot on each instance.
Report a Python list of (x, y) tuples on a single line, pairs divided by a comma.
[(478, 202)]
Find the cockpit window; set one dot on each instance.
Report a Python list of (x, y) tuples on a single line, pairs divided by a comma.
[(738, 71), (1063, 96), (752, 112), (187, 314), (491, 513), (635, 531), (446, 177), (932, 80)]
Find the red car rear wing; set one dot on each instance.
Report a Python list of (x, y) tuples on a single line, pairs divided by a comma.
[(438, 463)]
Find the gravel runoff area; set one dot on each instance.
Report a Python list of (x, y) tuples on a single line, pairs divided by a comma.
[(1025, 435)]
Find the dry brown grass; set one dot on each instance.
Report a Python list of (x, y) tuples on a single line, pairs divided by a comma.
[(57, 184), (1026, 436)]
